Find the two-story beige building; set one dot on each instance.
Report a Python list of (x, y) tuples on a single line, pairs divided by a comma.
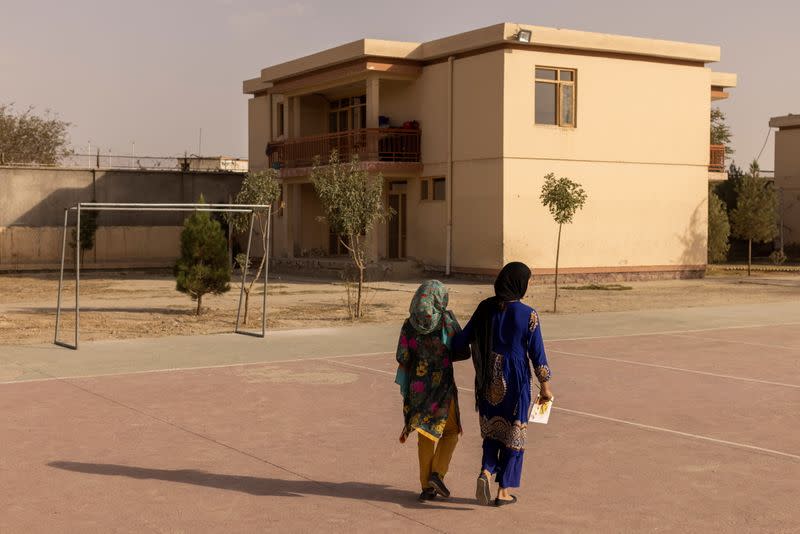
[(463, 130), (787, 175)]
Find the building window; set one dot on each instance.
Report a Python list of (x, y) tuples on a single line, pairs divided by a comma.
[(554, 96), (439, 188), (432, 188), (347, 114), (279, 121)]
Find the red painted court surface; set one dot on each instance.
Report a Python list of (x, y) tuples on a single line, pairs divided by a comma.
[(680, 432)]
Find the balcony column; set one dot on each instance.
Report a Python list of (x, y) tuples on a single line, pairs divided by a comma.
[(373, 101), (292, 117), (373, 237)]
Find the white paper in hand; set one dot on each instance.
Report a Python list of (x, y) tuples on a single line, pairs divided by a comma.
[(541, 411)]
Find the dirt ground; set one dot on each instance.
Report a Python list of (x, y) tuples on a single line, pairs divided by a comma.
[(146, 304)]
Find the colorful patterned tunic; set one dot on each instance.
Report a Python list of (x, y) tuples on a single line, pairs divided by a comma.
[(430, 385)]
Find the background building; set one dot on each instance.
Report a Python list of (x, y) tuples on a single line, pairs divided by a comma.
[(465, 128)]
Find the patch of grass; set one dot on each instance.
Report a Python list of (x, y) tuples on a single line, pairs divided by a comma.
[(599, 287)]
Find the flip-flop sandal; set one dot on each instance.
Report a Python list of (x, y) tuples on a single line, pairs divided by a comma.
[(503, 502), (482, 492)]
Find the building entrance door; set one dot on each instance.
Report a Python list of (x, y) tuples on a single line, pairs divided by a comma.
[(397, 224)]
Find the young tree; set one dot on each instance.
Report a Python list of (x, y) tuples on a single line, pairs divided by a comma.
[(720, 131), (351, 200), (29, 138), (203, 266), (755, 215), (563, 198), (259, 187), (719, 229), (88, 230)]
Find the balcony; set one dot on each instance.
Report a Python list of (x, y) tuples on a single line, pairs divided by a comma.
[(716, 162), (396, 145)]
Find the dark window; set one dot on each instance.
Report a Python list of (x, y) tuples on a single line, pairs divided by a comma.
[(280, 119), (423, 189), (546, 103), (347, 114), (439, 189)]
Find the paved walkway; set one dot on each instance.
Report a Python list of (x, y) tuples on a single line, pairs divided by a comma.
[(180, 352)]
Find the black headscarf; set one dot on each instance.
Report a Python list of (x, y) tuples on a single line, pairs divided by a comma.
[(511, 284)]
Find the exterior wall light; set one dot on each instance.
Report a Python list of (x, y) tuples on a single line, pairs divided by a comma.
[(524, 36)]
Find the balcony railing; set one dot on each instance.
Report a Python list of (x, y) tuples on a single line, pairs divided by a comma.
[(717, 159), (370, 144)]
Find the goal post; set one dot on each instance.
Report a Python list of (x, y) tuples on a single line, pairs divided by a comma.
[(251, 209)]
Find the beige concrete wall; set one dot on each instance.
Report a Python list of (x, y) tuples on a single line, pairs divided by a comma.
[(259, 126), (477, 167), (313, 116), (426, 222), (478, 104), (24, 247), (478, 209), (399, 101), (33, 202), (313, 233), (431, 92), (627, 111), (640, 149), (635, 216), (787, 180)]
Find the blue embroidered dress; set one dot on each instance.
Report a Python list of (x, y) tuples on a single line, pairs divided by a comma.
[(505, 408)]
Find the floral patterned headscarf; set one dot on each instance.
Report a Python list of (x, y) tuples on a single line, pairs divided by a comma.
[(428, 310)]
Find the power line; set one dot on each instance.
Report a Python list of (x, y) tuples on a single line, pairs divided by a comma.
[(769, 131)]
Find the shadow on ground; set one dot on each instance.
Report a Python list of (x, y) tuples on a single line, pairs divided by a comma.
[(272, 487)]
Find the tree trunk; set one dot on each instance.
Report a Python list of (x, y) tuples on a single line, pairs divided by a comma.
[(246, 303), (360, 285), (558, 251), (749, 255), (199, 303)]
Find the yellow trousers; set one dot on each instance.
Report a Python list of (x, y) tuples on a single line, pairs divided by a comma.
[(434, 457)]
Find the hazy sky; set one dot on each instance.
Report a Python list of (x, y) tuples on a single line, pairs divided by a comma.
[(155, 72)]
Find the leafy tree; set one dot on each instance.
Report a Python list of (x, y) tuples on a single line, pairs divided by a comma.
[(563, 198), (260, 187), (203, 266), (88, 229), (755, 215), (29, 138), (720, 131), (351, 200), (719, 229)]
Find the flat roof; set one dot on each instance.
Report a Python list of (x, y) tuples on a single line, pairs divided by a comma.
[(723, 79), (498, 34), (785, 121)]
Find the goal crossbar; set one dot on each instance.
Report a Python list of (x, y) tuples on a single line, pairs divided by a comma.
[(251, 209)]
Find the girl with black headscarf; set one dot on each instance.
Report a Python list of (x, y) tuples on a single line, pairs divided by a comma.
[(506, 341)]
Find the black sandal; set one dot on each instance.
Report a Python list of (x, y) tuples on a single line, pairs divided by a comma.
[(502, 502)]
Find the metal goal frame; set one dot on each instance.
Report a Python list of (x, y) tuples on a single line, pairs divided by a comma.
[(252, 209)]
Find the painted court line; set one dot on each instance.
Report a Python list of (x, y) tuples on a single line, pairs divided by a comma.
[(672, 332), (679, 433), (749, 343), (50, 378), (699, 437), (670, 368)]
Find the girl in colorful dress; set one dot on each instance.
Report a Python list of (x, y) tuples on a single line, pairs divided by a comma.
[(425, 375), (506, 340)]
